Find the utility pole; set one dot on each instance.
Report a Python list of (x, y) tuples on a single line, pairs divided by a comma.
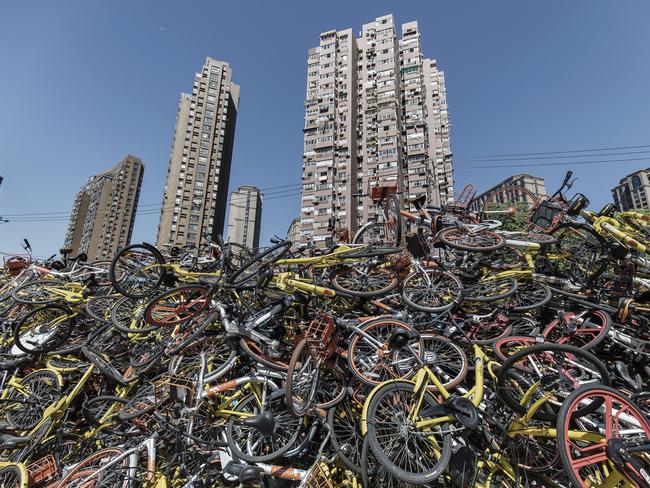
[(2, 220)]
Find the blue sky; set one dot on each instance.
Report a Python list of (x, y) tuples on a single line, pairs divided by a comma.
[(83, 83)]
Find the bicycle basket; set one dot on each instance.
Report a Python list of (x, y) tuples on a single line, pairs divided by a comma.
[(547, 215), (319, 477), (15, 264), (320, 335), (43, 470), (380, 193)]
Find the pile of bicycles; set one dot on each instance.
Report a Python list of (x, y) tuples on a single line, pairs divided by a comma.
[(435, 349)]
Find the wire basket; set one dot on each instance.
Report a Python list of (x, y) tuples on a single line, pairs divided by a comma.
[(15, 264), (380, 193), (43, 470), (319, 477), (546, 216), (320, 335)]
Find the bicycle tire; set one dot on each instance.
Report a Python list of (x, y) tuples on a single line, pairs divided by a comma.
[(394, 219), (451, 288), (381, 369), (443, 355), (593, 245), (98, 304), (565, 424), (43, 384), (131, 310), (427, 475), (32, 297), (530, 295), (604, 319), (259, 356), (345, 430), (446, 236), (36, 339), (506, 396), (372, 233), (336, 278), (194, 296), (121, 279), (14, 476), (280, 418), (250, 269), (301, 355), (89, 466), (499, 288)]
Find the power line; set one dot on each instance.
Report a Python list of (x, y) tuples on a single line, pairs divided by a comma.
[(558, 152), (530, 165), (494, 159)]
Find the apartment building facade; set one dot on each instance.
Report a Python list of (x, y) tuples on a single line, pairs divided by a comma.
[(101, 221), (375, 113), (633, 191), (534, 184), (196, 188), (245, 216)]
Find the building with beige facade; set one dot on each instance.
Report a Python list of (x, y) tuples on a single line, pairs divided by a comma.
[(101, 221), (534, 185), (375, 111), (245, 216), (196, 189), (633, 191)]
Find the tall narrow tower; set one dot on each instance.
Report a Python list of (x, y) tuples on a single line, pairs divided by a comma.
[(196, 189), (375, 113), (245, 216), (101, 221)]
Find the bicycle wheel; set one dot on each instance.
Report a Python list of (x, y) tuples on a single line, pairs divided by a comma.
[(127, 316), (486, 331), (101, 412), (38, 292), (491, 289), (219, 353), (580, 253), (177, 305), (373, 233), (466, 240), (607, 447), (250, 443), (102, 278), (43, 329), (530, 295), (371, 358), (414, 457), (446, 359), (554, 369), (25, 405), (345, 428), (394, 220), (14, 476), (585, 331), (145, 400), (137, 270), (431, 290), (363, 283), (302, 380), (258, 354), (99, 307), (512, 205), (504, 347), (247, 274), (87, 473)]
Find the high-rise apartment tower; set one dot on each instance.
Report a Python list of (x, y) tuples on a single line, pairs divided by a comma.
[(196, 189), (376, 111), (633, 191), (245, 216), (101, 221)]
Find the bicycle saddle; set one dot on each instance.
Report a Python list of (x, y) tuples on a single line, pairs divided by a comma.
[(624, 373), (243, 472), (418, 202), (7, 428), (12, 363), (264, 423), (64, 251), (8, 441), (400, 337)]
